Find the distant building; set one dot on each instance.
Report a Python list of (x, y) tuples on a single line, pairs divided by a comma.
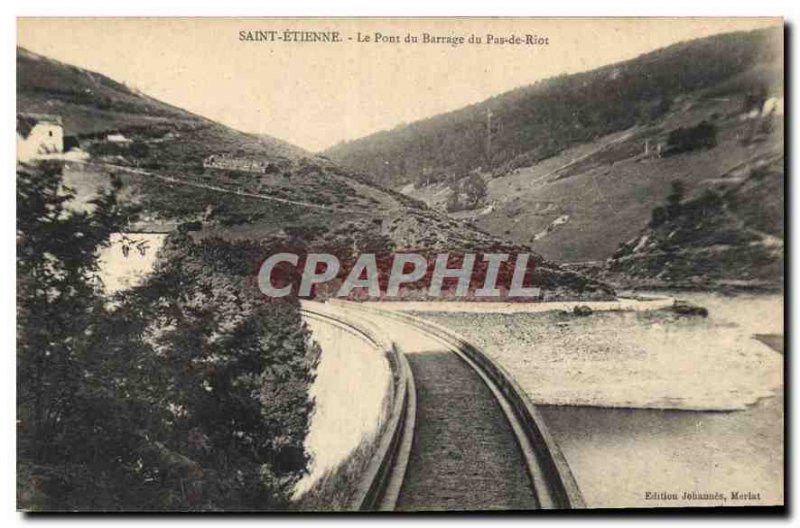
[(225, 162), (772, 106), (651, 150), (39, 135), (117, 138)]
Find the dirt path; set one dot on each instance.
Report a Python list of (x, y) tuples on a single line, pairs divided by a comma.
[(216, 188), (464, 455)]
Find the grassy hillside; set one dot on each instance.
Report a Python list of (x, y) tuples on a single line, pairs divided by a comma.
[(730, 235), (298, 197), (92, 104), (580, 204), (533, 123), (168, 142)]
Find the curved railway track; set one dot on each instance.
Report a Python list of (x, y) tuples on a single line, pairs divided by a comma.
[(462, 435)]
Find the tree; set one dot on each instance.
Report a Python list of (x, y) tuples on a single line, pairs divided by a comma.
[(703, 135), (231, 378), (139, 150), (475, 189), (58, 307), (186, 393), (658, 216), (466, 192), (453, 202), (674, 199)]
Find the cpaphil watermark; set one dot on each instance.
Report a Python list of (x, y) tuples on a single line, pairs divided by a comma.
[(391, 276)]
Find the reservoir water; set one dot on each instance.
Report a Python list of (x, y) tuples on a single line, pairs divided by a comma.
[(619, 455), (649, 405)]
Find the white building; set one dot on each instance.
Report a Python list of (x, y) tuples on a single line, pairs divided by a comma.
[(39, 135), (773, 105), (117, 138)]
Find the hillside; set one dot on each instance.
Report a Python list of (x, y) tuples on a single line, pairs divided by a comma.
[(535, 122), (579, 205), (731, 235), (161, 154), (93, 104)]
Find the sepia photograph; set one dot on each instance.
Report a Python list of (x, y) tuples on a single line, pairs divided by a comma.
[(442, 264)]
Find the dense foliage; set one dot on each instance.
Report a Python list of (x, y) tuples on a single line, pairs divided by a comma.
[(700, 136), (185, 393), (466, 192)]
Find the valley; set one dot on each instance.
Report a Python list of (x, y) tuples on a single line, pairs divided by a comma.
[(223, 321), (589, 187)]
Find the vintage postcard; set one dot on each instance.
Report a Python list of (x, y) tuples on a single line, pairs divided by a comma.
[(406, 265)]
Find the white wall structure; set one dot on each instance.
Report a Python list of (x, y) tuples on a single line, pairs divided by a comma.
[(773, 105), (128, 259), (117, 138), (38, 135)]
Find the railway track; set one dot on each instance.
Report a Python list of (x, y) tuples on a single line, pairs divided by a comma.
[(462, 434)]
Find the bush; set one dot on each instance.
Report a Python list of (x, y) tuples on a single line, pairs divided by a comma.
[(689, 309), (139, 149), (658, 216), (582, 310), (704, 135), (466, 193)]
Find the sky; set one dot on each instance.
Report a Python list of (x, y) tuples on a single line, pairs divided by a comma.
[(316, 94)]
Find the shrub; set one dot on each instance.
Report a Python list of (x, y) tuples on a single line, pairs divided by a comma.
[(703, 135), (658, 217)]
